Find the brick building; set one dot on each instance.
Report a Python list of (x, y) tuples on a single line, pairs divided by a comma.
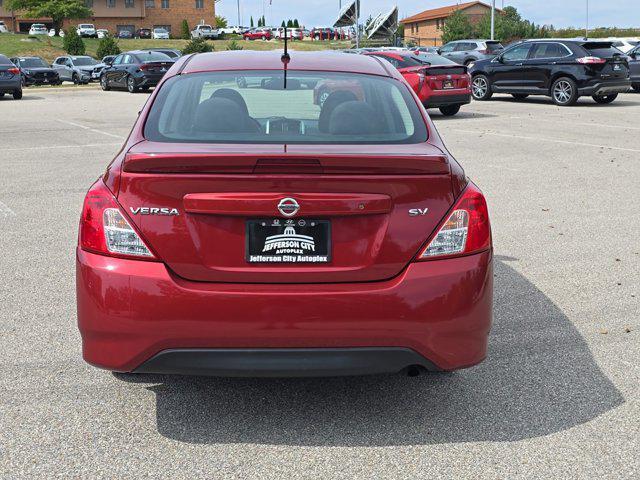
[(425, 28), (116, 15)]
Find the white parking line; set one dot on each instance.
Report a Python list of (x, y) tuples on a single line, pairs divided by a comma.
[(48, 147), (548, 140), (586, 124), (5, 211), (95, 130)]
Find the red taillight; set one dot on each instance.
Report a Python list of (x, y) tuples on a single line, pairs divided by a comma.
[(14, 70), (144, 67), (104, 228), (591, 60), (467, 229)]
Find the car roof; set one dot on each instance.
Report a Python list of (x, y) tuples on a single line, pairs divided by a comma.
[(327, 61)]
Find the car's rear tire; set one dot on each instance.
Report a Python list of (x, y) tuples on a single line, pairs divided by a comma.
[(131, 84), (104, 83), (449, 110), (481, 88), (1, 94), (564, 92), (264, 38), (604, 99), (636, 87), (17, 94), (519, 96)]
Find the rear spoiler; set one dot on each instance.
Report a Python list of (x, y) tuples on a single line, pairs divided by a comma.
[(196, 163)]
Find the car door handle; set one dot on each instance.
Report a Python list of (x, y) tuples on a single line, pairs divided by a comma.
[(519, 64)]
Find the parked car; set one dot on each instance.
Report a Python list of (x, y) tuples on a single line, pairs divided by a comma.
[(35, 71), (160, 34), (634, 68), (10, 81), (465, 52), (52, 32), (429, 50), (233, 30), (170, 52), (292, 33), (322, 33), (102, 33), (191, 260), (625, 45), (205, 31), (258, 34), (135, 70), (438, 82), (562, 69), (143, 33), (125, 34), (97, 70), (3, 27), (38, 29), (76, 69), (86, 30)]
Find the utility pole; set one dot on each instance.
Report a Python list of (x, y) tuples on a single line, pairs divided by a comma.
[(493, 19), (586, 27), (239, 19), (357, 23)]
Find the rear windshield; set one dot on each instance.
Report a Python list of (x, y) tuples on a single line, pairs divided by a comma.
[(33, 63), (434, 59), (255, 107), (4, 60), (601, 49), (494, 47), (84, 61), (152, 57)]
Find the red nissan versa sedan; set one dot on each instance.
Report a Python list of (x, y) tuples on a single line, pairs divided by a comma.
[(247, 231), (438, 82)]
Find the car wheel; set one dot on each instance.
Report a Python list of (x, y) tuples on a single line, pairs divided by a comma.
[(104, 83), (17, 94), (449, 110), (131, 84), (519, 96), (323, 97), (481, 88), (242, 82), (75, 79), (564, 92), (604, 99), (636, 87), (1, 94), (264, 38)]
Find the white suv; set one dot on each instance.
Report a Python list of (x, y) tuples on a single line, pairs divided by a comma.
[(3, 27), (86, 30), (38, 29)]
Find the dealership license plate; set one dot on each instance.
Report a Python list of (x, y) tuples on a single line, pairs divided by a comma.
[(277, 240), (448, 84)]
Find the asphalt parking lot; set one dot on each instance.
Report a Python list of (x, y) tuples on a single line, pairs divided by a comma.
[(558, 396)]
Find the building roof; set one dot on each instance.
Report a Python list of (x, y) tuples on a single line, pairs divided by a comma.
[(442, 12)]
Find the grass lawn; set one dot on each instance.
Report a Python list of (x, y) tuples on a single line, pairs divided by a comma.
[(51, 47)]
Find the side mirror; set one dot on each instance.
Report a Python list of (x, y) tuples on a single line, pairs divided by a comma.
[(109, 62)]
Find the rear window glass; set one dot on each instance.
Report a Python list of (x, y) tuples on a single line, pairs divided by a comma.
[(152, 57), (255, 107), (84, 61), (33, 63), (4, 60), (494, 47), (433, 59), (601, 49)]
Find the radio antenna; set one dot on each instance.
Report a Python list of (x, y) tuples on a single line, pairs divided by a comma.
[(286, 58)]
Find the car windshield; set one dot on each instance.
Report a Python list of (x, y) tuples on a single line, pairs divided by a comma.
[(33, 63), (153, 57), (160, 30), (84, 61), (314, 108), (205, 28), (38, 26), (86, 26)]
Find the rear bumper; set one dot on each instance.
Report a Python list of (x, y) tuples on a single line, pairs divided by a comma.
[(454, 97), (606, 88), (8, 86), (436, 314)]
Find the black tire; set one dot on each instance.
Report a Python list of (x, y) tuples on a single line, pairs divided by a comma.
[(481, 88), (104, 83), (449, 110), (564, 92), (604, 99), (75, 79), (131, 84), (145, 89), (264, 37), (1, 94), (636, 87), (17, 94), (519, 96), (468, 61)]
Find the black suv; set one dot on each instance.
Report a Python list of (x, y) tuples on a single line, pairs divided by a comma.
[(562, 69), (634, 68)]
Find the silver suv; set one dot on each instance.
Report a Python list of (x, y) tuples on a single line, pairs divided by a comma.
[(464, 52), (76, 69)]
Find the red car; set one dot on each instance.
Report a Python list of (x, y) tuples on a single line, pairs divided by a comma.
[(438, 82), (246, 231), (257, 34)]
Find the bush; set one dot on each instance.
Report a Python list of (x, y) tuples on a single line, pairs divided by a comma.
[(72, 42), (197, 45), (107, 46), (185, 31), (233, 45)]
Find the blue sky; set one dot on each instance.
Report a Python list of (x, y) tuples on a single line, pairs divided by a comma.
[(561, 13)]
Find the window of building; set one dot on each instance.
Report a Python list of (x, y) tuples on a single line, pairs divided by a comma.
[(111, 3), (87, 3), (438, 24), (149, 3), (129, 3), (199, 3), (164, 3)]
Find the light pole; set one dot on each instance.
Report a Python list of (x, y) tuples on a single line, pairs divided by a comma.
[(493, 19), (586, 27), (357, 23)]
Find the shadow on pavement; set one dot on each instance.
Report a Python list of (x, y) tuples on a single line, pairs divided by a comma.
[(539, 378)]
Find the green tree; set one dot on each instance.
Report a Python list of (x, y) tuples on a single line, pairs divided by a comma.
[(221, 22), (264, 21), (72, 42), (251, 25), (233, 45), (289, 23), (185, 31), (296, 24), (457, 27), (107, 46), (197, 45), (57, 10), (283, 24)]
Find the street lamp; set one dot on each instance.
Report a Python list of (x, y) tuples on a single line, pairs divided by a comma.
[(493, 19)]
